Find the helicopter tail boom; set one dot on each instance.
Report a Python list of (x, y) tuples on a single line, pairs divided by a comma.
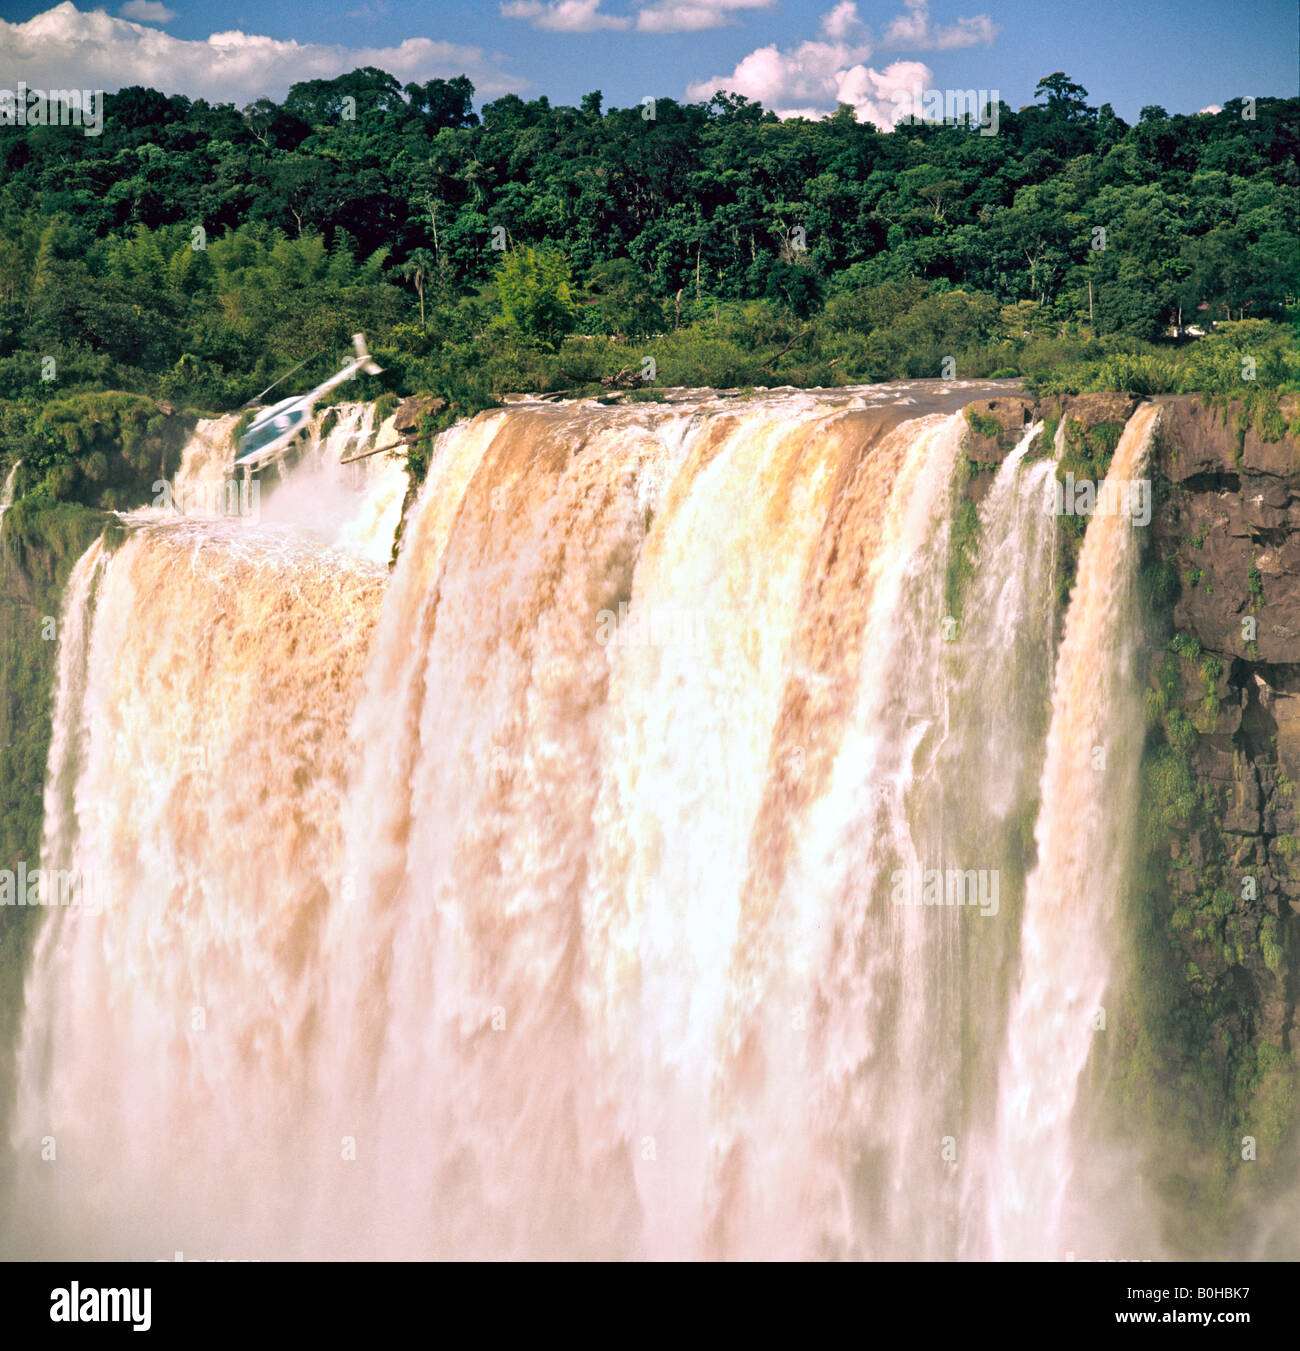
[(370, 367)]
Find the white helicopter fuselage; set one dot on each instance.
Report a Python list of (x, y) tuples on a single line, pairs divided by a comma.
[(275, 428)]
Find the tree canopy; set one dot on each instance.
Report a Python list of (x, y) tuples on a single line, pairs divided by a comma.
[(194, 251)]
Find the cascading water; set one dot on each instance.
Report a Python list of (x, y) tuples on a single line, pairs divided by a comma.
[(352, 504), (568, 893), (7, 492), (1068, 933)]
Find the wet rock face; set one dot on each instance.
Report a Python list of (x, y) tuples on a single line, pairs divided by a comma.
[(1228, 523), (409, 416), (1194, 441), (1092, 410), (1227, 526), (996, 425)]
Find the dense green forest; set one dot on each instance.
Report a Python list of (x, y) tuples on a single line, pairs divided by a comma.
[(194, 253)]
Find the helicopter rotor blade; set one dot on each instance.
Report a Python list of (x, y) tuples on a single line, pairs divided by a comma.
[(257, 398)]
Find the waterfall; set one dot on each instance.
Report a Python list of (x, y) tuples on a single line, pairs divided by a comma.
[(7, 492), (1068, 934), (932, 772), (354, 505), (571, 891), (207, 461)]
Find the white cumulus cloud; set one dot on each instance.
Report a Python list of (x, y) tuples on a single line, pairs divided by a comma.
[(914, 29), (691, 16), (564, 16), (874, 94), (843, 22), (654, 16), (147, 11), (811, 79), (66, 48)]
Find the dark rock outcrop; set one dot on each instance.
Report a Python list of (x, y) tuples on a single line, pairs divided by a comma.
[(413, 411)]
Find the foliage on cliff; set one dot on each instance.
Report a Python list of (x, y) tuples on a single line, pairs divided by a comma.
[(97, 449)]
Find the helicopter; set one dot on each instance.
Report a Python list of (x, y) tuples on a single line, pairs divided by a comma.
[(273, 429)]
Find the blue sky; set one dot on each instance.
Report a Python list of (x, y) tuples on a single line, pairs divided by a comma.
[(795, 55)]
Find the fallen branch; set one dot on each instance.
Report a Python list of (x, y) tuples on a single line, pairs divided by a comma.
[(797, 338), (366, 453)]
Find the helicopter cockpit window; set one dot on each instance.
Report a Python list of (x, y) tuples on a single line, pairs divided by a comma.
[(278, 425)]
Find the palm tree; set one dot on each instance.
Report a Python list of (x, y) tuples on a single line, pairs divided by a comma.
[(417, 269)]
